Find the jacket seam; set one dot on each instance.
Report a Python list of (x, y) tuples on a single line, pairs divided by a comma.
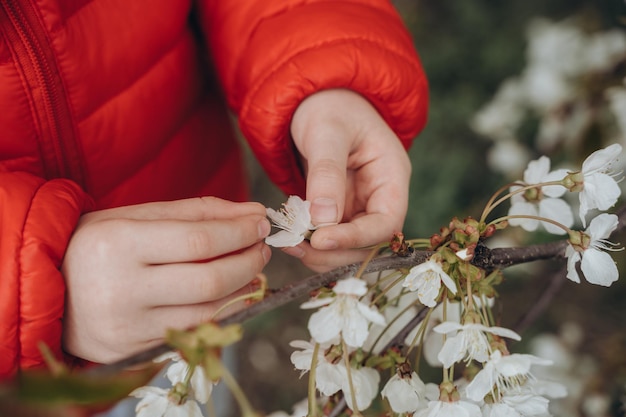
[(20, 270)]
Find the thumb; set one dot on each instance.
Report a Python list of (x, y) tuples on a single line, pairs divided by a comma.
[(326, 181)]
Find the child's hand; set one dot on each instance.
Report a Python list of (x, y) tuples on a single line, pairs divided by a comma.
[(357, 175), (132, 272)]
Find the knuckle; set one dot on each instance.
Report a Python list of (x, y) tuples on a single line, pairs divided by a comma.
[(326, 169), (211, 287), (199, 242)]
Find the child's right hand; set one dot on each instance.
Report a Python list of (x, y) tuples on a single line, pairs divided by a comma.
[(132, 272)]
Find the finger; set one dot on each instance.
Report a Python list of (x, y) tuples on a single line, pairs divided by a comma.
[(379, 204), (192, 209), (364, 231), (195, 283), (174, 241), (322, 260), (189, 316), (326, 157)]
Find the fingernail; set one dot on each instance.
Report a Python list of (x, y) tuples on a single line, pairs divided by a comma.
[(264, 228), (294, 251), (323, 211)]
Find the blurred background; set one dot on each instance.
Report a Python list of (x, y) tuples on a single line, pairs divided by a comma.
[(509, 82)]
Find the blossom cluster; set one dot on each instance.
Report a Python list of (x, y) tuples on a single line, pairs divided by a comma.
[(354, 346), (537, 200), (365, 328)]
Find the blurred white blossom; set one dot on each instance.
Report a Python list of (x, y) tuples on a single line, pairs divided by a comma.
[(155, 402)]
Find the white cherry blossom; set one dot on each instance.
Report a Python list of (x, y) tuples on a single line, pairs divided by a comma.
[(365, 382), (450, 409), (343, 315), (597, 266), (543, 201), (469, 343), (294, 218), (426, 279), (328, 376), (405, 393), (502, 373), (331, 377), (517, 405), (200, 384), (598, 185), (155, 403)]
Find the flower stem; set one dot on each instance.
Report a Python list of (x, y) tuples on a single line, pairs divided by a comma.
[(256, 296), (492, 205), (528, 216), (367, 260), (240, 396), (346, 359), (311, 392)]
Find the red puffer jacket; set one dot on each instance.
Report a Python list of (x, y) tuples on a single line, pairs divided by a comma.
[(109, 103)]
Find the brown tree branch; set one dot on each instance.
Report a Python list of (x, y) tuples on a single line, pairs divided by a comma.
[(485, 258)]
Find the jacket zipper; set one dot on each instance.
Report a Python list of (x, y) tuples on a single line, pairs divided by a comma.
[(36, 60)]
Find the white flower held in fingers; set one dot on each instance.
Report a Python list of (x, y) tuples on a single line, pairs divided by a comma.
[(586, 247), (596, 182), (343, 315), (542, 201), (426, 279), (469, 343), (294, 218)]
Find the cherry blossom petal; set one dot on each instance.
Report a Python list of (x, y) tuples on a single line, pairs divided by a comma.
[(329, 378), (557, 210), (573, 257), (599, 268), (283, 238), (325, 325), (524, 208), (601, 158), (537, 170), (602, 226), (365, 383), (554, 191)]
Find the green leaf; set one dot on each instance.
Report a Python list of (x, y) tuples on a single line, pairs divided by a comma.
[(39, 387)]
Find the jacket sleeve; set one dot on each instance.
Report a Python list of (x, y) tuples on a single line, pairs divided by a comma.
[(37, 218), (270, 55)]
